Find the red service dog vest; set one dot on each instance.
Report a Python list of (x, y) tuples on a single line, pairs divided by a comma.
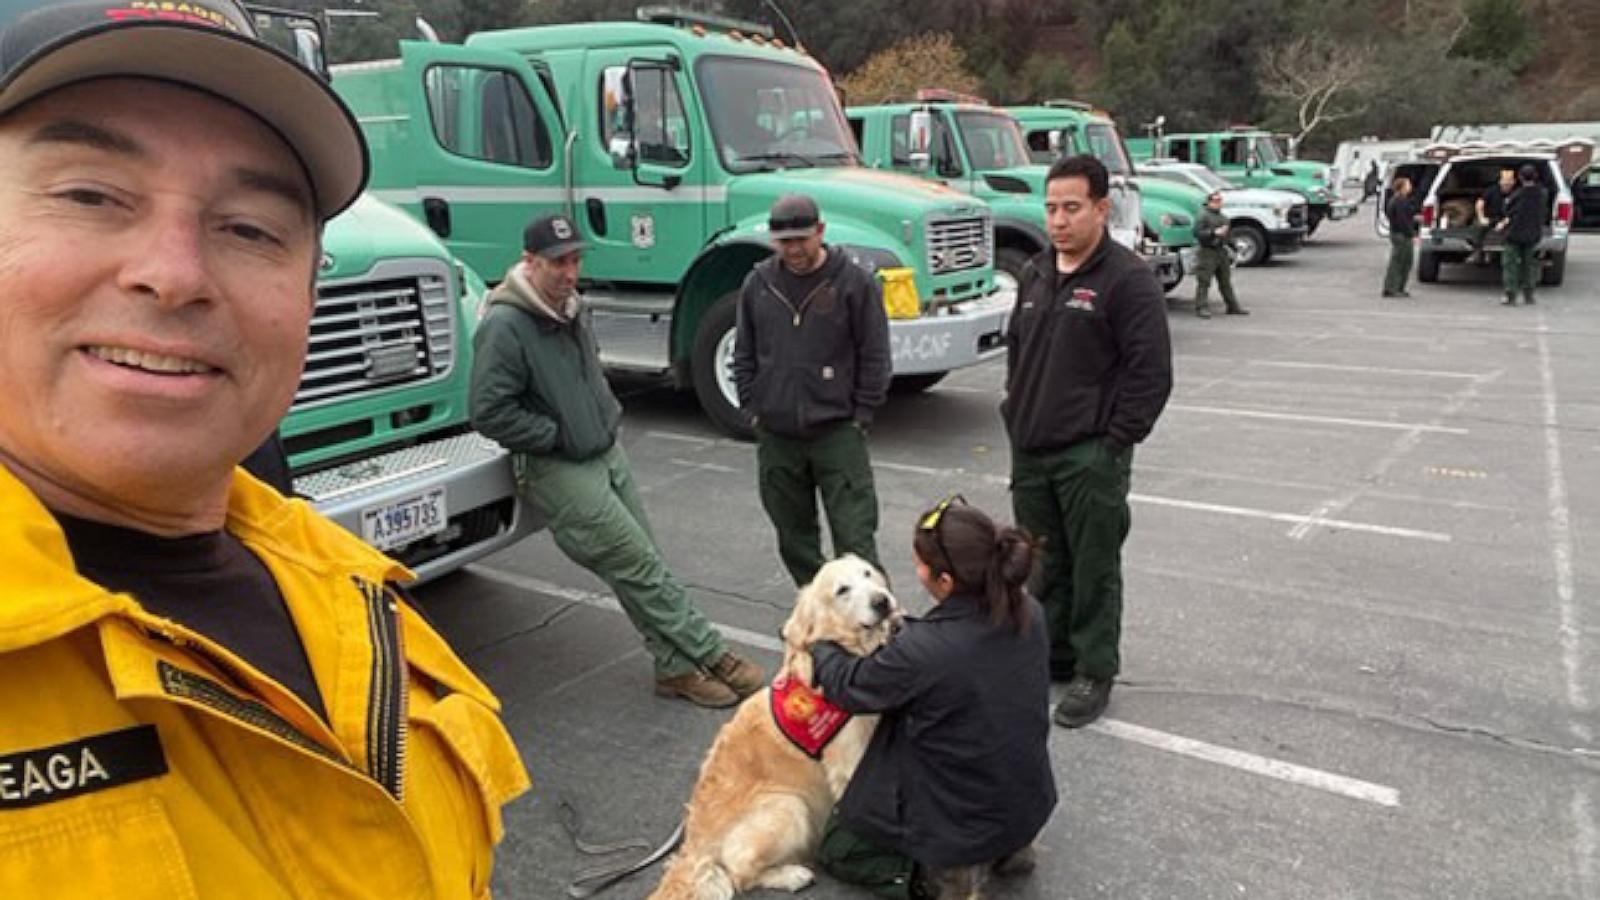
[(808, 720)]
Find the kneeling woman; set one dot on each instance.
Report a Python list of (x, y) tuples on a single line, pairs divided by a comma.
[(956, 782)]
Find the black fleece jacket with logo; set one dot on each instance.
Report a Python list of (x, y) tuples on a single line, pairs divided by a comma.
[(804, 363), (1088, 352)]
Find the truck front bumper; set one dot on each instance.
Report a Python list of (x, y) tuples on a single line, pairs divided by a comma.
[(1287, 240), (479, 503), (1167, 263), (952, 337), (1342, 209)]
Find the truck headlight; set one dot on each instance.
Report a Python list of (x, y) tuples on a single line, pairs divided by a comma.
[(873, 259)]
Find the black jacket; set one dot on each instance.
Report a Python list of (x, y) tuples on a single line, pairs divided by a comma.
[(1402, 213), (1528, 209), (1089, 354), (802, 363), (958, 772)]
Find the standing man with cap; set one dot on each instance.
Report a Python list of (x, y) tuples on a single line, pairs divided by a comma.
[(207, 690), (1211, 230), (538, 389), (811, 363), (1088, 372)]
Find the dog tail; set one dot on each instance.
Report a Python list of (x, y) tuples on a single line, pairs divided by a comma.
[(693, 878)]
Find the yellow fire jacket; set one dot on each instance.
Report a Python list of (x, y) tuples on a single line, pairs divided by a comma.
[(140, 759)]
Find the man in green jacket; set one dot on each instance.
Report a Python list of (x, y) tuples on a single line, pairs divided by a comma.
[(1211, 230), (538, 390)]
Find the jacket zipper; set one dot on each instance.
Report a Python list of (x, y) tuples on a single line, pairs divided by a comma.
[(800, 310), (386, 700)]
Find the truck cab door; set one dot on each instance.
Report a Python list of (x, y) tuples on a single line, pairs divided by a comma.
[(1233, 162), (640, 166), (488, 146)]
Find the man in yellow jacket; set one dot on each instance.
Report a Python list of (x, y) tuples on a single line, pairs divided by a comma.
[(206, 690)]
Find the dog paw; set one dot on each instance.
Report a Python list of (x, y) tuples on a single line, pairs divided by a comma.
[(788, 878)]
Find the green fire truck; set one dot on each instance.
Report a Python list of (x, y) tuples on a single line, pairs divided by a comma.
[(378, 434), (1250, 157), (969, 145), (1068, 127), (667, 140)]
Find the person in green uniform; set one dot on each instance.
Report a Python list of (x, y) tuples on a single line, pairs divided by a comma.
[(538, 390), (1211, 230), (1402, 214), (1527, 215), (1088, 371), (811, 364)]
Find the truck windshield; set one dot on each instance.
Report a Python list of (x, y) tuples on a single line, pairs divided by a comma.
[(1105, 144), (1267, 151), (1208, 180), (769, 115), (993, 141)]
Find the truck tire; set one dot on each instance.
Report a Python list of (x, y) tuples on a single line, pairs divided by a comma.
[(1313, 219), (711, 368), (915, 384), (1172, 283), (1427, 267), (1556, 272), (1008, 264), (1250, 244)]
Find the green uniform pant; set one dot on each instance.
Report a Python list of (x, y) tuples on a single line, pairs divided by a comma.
[(793, 471), (1519, 269), (1076, 502), (1402, 251), (1213, 262), (594, 513), (854, 859)]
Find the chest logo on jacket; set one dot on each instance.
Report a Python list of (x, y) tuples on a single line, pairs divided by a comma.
[(1082, 299)]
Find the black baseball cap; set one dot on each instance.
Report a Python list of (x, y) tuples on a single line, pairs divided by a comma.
[(552, 236), (209, 45), (793, 216)]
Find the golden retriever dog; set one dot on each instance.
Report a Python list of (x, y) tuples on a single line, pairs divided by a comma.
[(758, 809)]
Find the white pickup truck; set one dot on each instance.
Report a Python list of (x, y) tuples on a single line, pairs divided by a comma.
[(1263, 222)]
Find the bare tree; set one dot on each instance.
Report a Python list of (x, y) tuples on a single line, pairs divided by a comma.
[(1311, 73)]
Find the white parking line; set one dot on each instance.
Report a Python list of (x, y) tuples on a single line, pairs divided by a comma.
[(1294, 518), (1561, 545), (1319, 420), (1342, 785), (1237, 759), (1331, 367), (705, 466)]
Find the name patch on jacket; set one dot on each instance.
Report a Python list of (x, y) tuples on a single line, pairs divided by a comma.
[(808, 720), (49, 774), (1082, 298)]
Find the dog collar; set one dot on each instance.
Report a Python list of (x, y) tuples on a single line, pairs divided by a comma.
[(804, 716)]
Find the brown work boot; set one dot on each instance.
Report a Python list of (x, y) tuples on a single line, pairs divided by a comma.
[(1017, 864), (744, 676), (698, 688)]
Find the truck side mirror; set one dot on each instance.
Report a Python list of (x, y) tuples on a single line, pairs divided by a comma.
[(1055, 142), (921, 139)]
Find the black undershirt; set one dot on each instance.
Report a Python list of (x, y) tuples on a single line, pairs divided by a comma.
[(208, 582), (796, 288)]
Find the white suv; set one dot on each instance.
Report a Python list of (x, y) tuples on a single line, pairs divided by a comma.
[(1449, 217), (1262, 221)]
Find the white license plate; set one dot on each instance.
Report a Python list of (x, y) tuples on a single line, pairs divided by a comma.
[(401, 522)]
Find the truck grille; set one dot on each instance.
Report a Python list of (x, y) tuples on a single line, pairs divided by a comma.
[(376, 334), (956, 244), (1297, 215)]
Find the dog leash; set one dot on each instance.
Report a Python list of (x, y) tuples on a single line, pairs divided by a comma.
[(593, 880)]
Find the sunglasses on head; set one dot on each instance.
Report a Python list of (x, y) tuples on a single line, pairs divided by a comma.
[(930, 523)]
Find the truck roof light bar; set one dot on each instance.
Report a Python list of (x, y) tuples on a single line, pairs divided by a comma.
[(681, 18)]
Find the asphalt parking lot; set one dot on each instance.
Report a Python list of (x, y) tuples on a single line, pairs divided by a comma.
[(1360, 643)]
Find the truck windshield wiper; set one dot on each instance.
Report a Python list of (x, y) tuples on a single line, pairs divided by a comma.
[(840, 154), (784, 156)]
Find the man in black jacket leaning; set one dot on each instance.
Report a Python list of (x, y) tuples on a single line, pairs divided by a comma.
[(811, 363), (1088, 372)]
